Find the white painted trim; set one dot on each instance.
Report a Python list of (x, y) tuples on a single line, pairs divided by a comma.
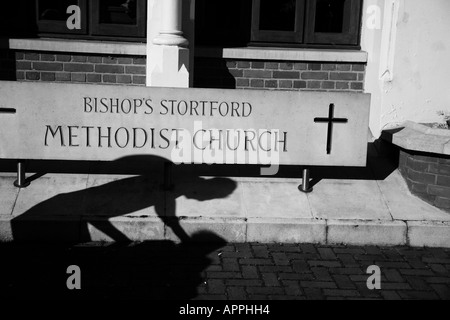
[(286, 54), (77, 46)]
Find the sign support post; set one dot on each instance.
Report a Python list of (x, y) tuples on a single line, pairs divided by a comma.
[(304, 187), (21, 181)]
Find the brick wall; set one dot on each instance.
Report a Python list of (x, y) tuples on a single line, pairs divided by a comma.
[(428, 177), (60, 67), (278, 75)]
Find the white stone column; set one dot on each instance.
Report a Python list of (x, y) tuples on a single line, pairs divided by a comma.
[(168, 52)]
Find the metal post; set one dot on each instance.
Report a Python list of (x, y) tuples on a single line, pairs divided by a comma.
[(304, 187), (168, 176), (21, 179)]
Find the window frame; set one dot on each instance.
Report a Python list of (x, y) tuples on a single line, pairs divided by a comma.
[(351, 26), (304, 35), (60, 27), (277, 36), (91, 28), (119, 30)]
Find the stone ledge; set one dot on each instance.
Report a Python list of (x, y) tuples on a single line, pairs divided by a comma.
[(417, 137), (284, 54), (77, 46)]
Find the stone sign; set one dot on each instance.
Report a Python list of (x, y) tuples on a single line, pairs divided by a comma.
[(96, 122)]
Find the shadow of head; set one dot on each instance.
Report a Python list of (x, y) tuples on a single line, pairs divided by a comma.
[(208, 189)]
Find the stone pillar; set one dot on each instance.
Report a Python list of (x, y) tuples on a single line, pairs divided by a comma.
[(168, 52)]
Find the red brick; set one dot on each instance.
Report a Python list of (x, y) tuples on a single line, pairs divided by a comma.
[(243, 64), (347, 76), (439, 191), (286, 66), (135, 70), (109, 78), (47, 57), (124, 79), (94, 59), (314, 66), (125, 60), (258, 65), (315, 75), (63, 57), (231, 64), (20, 75), (443, 203), (140, 61), (48, 76), (48, 66), (139, 79), (421, 177), (257, 74), (424, 158), (271, 84), (357, 86), (299, 84), (286, 74), (78, 67), (94, 78), (343, 67), (257, 83), (417, 165), (79, 58), (314, 84), (358, 67), (443, 181), (329, 67), (79, 77), (439, 168), (300, 66), (33, 76), (272, 65), (329, 85), (418, 187), (237, 73), (242, 82), (444, 161), (108, 69), (62, 76), (286, 84), (19, 56), (109, 60), (31, 56), (23, 65)]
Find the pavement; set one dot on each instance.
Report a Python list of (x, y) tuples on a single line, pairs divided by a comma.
[(215, 270), (125, 201)]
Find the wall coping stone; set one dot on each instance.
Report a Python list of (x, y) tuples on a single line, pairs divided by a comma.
[(76, 46), (419, 137), (284, 54)]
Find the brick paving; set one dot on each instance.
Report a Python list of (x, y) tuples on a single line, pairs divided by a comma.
[(164, 270)]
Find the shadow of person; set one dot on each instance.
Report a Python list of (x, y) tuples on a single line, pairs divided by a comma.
[(98, 204), (156, 270)]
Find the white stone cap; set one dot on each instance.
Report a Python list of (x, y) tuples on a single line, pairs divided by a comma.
[(418, 137)]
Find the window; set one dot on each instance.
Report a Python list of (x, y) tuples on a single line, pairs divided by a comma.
[(301, 23), (99, 18), (223, 22)]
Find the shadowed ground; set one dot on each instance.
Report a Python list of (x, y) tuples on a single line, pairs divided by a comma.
[(215, 270)]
